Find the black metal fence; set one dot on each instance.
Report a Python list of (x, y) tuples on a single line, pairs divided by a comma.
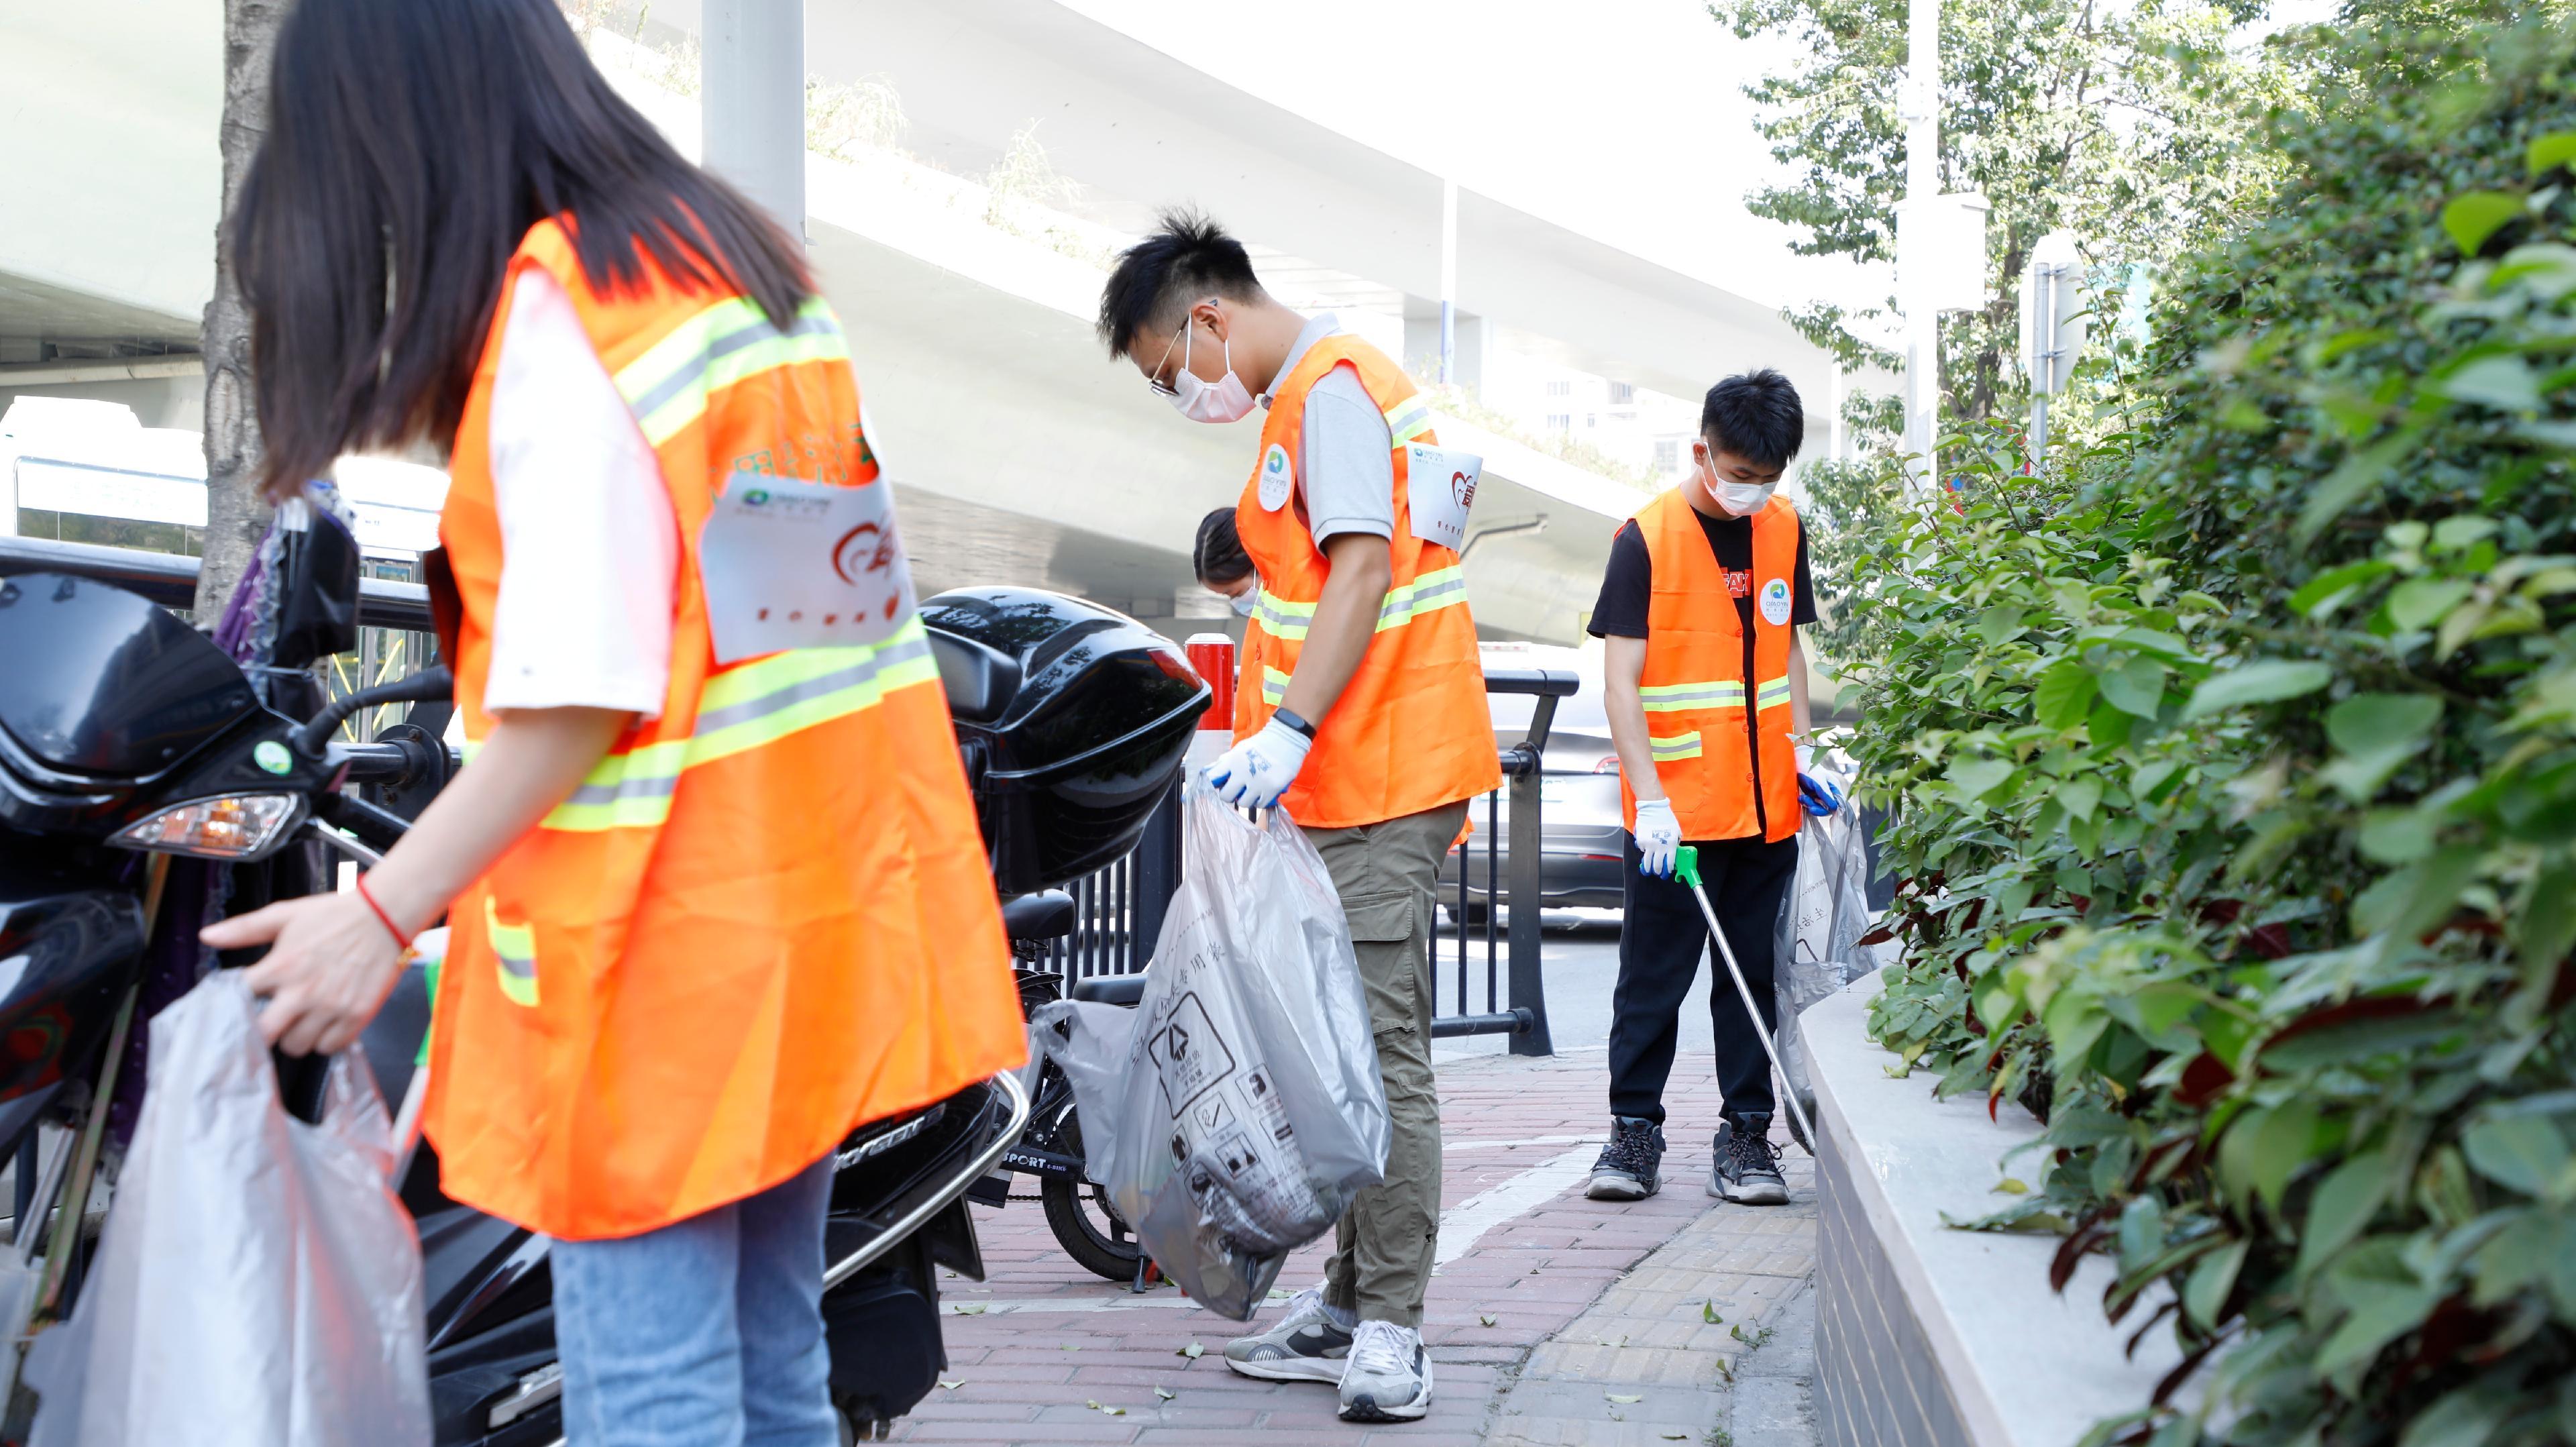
[(1118, 911)]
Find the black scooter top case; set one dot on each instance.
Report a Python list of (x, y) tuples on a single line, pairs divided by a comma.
[(1073, 718)]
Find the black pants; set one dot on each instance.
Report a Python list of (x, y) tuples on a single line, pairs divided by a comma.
[(1660, 943)]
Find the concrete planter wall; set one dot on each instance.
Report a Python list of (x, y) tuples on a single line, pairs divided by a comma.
[(1929, 1336)]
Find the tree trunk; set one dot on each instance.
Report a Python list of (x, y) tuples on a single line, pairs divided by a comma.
[(235, 516)]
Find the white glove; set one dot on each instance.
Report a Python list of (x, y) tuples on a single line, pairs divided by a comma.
[(1659, 837), (1254, 773)]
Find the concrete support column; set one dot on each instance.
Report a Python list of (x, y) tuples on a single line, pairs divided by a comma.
[(754, 99)]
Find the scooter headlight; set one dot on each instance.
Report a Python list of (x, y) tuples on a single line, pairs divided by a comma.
[(230, 826)]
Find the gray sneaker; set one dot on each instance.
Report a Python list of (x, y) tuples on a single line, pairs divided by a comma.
[(1631, 1166), (1747, 1173), (1389, 1376), (1304, 1347)]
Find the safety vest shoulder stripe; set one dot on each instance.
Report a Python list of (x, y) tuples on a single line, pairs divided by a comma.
[(732, 340), (1409, 418), (1667, 747), (805, 688)]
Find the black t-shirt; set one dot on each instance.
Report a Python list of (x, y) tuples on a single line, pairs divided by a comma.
[(1628, 583)]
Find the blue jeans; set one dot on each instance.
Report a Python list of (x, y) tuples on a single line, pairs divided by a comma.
[(706, 1333)]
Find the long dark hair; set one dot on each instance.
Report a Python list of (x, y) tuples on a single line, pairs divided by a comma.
[(411, 144)]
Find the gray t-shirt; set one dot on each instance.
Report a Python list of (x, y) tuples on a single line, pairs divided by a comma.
[(1347, 475)]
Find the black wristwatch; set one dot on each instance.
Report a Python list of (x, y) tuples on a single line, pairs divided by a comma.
[(1294, 722)]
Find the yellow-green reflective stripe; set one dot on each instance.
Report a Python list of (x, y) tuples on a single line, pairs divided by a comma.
[(1409, 418), (1440, 588), (1674, 697), (515, 945), (1675, 746), (667, 387), (1280, 617), (1274, 685), (1773, 693), (743, 710)]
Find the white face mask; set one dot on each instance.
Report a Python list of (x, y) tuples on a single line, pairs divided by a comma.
[(1223, 400), (1247, 601), (1743, 499)]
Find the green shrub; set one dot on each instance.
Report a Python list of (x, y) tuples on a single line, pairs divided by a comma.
[(2233, 779)]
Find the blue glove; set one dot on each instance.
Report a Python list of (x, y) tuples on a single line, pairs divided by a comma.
[(1818, 796), (1254, 773)]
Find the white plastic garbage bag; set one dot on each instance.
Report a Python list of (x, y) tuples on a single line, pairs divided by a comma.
[(1816, 949), (1234, 1113), (259, 1285)]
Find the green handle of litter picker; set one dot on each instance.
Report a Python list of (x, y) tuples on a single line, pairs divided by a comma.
[(1686, 865)]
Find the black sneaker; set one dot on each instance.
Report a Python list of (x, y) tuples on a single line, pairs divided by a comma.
[(1631, 1166), (1747, 1173)]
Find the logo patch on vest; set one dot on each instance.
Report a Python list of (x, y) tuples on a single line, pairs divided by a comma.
[(1775, 602), (1278, 479)]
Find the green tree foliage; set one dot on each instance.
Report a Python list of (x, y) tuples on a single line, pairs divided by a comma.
[(2234, 778), (2123, 122)]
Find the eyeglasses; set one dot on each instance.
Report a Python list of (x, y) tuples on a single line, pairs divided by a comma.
[(1161, 387)]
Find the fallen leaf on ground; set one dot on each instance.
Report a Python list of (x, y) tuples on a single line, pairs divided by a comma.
[(1193, 1351), (971, 1309), (2011, 1186), (1166, 1393), (1067, 1346), (1708, 1313), (1622, 1398), (1676, 1436), (948, 1386), (1485, 1318), (1278, 1295), (1106, 1411)]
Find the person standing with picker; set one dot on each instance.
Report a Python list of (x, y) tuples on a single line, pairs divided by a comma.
[(1706, 685)]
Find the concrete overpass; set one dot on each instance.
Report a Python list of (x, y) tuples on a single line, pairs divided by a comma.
[(1023, 453)]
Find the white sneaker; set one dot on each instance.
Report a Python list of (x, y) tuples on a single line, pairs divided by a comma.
[(1389, 1375), (1305, 1346)]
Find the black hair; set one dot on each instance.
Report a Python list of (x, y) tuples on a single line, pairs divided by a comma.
[(1187, 259), (1756, 416), (409, 148), (1219, 556)]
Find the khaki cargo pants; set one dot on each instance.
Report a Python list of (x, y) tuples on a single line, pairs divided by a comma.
[(1388, 875)]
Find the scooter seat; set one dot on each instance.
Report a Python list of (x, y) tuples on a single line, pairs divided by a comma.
[(1126, 990)]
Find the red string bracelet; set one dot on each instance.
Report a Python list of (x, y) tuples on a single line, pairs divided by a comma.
[(400, 939)]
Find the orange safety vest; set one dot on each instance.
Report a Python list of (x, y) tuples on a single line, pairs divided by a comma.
[(1694, 684), (766, 917), (1412, 731)]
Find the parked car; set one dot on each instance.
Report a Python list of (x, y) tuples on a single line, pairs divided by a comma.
[(1581, 828)]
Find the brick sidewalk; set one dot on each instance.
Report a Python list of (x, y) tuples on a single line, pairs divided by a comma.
[(1053, 1347)]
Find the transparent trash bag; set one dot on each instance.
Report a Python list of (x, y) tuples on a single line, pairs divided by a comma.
[(258, 1285), (1234, 1113), (1816, 949)]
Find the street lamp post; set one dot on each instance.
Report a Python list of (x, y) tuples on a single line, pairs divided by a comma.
[(1920, 104), (754, 102)]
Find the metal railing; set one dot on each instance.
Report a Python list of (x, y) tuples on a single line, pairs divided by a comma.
[(171, 580), (1119, 910)]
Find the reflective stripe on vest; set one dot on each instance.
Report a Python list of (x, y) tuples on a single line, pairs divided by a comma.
[(1409, 419), (1440, 588), (1675, 697), (667, 387), (1677, 746), (1274, 686), (742, 709), (515, 945), (1773, 693)]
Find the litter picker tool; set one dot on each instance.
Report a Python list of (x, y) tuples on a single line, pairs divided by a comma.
[(1686, 869)]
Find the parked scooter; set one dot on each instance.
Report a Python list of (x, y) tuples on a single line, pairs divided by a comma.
[(128, 742)]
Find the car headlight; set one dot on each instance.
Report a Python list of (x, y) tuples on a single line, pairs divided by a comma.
[(230, 826)]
